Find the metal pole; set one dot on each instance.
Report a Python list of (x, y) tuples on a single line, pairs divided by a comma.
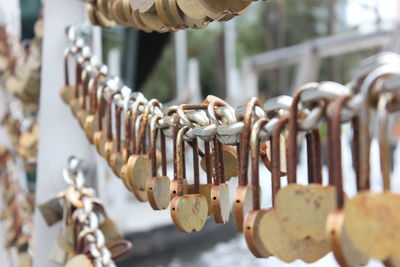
[(180, 63), (398, 11), (230, 58)]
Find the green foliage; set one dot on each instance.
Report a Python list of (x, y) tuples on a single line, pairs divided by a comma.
[(265, 26), (160, 83)]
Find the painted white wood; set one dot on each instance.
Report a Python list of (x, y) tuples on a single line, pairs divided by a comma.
[(60, 135), (180, 48)]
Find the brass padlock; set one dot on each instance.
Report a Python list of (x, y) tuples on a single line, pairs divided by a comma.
[(67, 91), (220, 190), (139, 164), (342, 247), (188, 211), (117, 159), (80, 260), (243, 193), (158, 186), (52, 210)]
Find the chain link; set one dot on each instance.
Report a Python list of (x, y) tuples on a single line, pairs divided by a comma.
[(226, 123), (89, 218)]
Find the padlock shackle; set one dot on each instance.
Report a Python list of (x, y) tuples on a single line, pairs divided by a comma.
[(87, 71), (335, 148), (255, 156), (153, 150), (100, 105), (276, 156), (142, 134), (175, 130), (118, 132), (134, 116), (292, 150), (213, 102), (207, 158), (245, 139), (179, 157), (314, 163), (218, 162), (128, 131), (67, 54), (384, 146)]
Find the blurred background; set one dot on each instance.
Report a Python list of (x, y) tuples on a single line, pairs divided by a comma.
[(268, 51)]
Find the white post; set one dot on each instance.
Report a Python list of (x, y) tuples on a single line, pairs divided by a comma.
[(397, 11), (180, 63), (308, 68), (249, 84), (60, 135), (231, 71), (194, 81)]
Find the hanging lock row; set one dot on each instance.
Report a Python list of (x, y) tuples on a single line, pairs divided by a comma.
[(295, 227), (88, 236), (23, 134), (125, 127), (16, 215), (164, 15), (136, 159), (23, 68), (307, 221)]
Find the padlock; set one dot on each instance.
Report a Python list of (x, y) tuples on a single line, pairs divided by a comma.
[(110, 230), (52, 210), (342, 247), (107, 145), (175, 182), (91, 124), (25, 259), (80, 260), (117, 160), (243, 193), (188, 211), (253, 221), (366, 229), (220, 190), (139, 164), (158, 186), (303, 210)]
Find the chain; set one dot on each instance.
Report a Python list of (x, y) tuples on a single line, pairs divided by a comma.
[(225, 122), (86, 216), (17, 210)]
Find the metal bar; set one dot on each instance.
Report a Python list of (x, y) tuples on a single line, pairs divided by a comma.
[(323, 47), (180, 63)]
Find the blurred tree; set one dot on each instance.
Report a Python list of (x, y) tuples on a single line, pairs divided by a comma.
[(201, 45), (30, 11), (265, 27)]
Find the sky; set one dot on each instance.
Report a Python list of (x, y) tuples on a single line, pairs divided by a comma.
[(356, 14)]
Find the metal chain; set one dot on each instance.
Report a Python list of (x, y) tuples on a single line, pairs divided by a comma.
[(226, 123), (90, 233)]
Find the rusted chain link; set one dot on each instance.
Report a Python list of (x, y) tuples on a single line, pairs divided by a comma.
[(220, 119)]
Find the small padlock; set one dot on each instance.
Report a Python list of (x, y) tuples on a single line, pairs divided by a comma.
[(25, 259), (220, 190), (110, 231), (189, 212), (80, 260), (52, 210), (158, 186)]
